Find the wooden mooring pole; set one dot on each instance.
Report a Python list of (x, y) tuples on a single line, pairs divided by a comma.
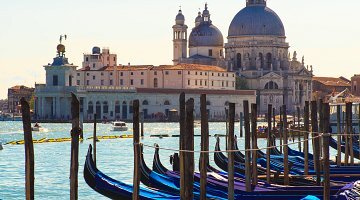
[(241, 124), (314, 125), (142, 125), (94, 139), (189, 145), (181, 143), (281, 129), (137, 152), (338, 125), (306, 138), (269, 144), (247, 147), (29, 150), (346, 131), (254, 143), (231, 147), (350, 128), (299, 129), (326, 157), (75, 133), (286, 149), (204, 157)]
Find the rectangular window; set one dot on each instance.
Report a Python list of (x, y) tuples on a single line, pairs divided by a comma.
[(108, 58), (78, 82), (131, 82), (155, 73), (200, 82), (233, 75), (78, 74), (142, 73), (121, 74), (179, 72), (87, 74), (102, 82), (212, 83), (195, 82), (102, 74), (233, 84), (205, 73), (227, 83), (114, 58), (93, 77), (200, 73), (110, 73), (212, 74), (195, 73), (87, 82), (166, 72), (111, 82), (94, 65), (188, 72), (55, 80), (227, 75), (210, 52), (142, 81), (218, 74), (121, 82), (131, 73), (188, 82), (222, 74), (222, 84), (205, 83), (87, 59), (221, 53)]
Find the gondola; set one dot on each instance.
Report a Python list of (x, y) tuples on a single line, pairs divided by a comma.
[(114, 189), (333, 144)]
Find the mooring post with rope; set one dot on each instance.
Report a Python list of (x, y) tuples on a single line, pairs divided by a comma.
[(247, 147), (204, 157), (326, 157), (338, 125), (181, 143), (350, 126), (231, 147), (359, 126), (281, 129), (269, 115), (29, 150), (94, 139), (137, 151), (298, 126), (306, 138), (314, 125), (75, 133), (189, 145), (286, 149), (241, 124), (346, 130), (321, 128), (254, 143)]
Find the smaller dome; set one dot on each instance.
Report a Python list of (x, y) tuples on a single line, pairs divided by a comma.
[(96, 50), (206, 34), (180, 18), (198, 19)]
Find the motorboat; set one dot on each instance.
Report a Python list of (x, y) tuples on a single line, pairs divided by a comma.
[(119, 126), (37, 127)]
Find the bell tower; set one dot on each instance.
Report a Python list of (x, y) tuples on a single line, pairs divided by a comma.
[(179, 38)]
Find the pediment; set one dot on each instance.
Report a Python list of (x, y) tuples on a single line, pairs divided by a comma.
[(271, 75), (304, 72)]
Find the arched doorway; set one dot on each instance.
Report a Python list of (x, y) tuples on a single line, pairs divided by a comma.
[(124, 110), (98, 109)]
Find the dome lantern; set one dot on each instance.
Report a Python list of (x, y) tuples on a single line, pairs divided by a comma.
[(255, 2), (180, 18)]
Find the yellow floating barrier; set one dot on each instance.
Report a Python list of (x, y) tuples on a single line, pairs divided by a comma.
[(43, 140)]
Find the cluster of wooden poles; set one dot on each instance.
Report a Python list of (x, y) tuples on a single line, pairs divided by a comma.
[(186, 144)]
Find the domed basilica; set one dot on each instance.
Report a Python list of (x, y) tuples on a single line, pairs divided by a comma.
[(256, 50)]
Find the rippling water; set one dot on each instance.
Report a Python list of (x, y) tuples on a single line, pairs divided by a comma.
[(52, 160)]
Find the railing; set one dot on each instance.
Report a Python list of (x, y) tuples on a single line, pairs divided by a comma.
[(56, 89)]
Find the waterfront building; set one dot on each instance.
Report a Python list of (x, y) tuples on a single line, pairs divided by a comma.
[(355, 85), (15, 94), (324, 87), (256, 50), (108, 89)]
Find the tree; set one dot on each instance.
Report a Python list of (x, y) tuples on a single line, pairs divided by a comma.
[(241, 83)]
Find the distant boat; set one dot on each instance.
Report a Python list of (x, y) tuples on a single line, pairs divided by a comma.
[(119, 126), (37, 128)]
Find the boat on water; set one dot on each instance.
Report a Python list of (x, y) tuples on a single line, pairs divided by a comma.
[(119, 126), (37, 127)]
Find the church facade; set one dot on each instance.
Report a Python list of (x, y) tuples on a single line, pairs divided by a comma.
[(256, 50)]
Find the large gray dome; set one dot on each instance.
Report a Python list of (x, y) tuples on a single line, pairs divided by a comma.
[(206, 34), (256, 20)]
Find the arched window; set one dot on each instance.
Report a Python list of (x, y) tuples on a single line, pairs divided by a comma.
[(238, 61), (271, 85), (98, 109), (145, 102), (268, 61), (117, 107), (90, 108), (167, 102), (261, 57), (208, 103), (105, 107), (155, 82)]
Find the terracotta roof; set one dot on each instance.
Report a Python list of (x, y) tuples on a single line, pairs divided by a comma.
[(330, 81), (189, 67), (196, 91), (18, 87)]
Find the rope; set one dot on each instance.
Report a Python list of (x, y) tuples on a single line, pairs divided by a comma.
[(224, 151)]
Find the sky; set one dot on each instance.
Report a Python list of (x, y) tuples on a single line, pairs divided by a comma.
[(326, 32)]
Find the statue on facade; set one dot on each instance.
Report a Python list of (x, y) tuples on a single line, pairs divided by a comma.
[(303, 61), (295, 56)]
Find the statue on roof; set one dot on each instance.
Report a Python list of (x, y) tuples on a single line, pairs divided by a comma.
[(62, 37), (295, 56)]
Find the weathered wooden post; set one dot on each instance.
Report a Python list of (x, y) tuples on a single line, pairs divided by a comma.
[(254, 143), (227, 126), (181, 145), (314, 125), (281, 129), (321, 128), (230, 153), (306, 138), (351, 134), (29, 150), (293, 129), (94, 139), (346, 130), (142, 125), (137, 153), (298, 123), (269, 115), (338, 116), (204, 156), (75, 133), (189, 146), (247, 147), (286, 149), (359, 125), (241, 124), (326, 167)]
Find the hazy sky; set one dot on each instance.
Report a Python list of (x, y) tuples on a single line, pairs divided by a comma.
[(325, 31)]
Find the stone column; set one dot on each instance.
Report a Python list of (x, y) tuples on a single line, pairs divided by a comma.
[(58, 112), (112, 108), (53, 114)]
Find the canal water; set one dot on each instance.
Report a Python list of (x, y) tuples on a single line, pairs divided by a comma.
[(114, 157)]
